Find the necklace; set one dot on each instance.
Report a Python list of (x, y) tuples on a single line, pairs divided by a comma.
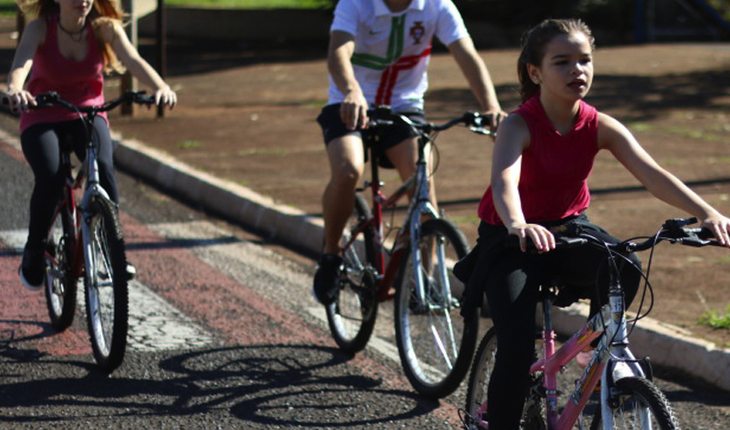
[(74, 35)]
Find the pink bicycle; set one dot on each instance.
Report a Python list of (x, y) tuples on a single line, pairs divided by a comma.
[(625, 398)]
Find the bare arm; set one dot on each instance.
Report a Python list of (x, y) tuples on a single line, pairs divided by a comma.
[(512, 139), (129, 56), (354, 107), (33, 36), (612, 135), (478, 77)]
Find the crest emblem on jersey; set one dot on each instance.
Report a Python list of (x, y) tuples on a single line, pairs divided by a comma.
[(417, 31)]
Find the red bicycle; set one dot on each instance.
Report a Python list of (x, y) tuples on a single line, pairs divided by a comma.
[(434, 342), (85, 240)]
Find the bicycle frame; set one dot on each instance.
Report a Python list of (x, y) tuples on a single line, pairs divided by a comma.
[(68, 203), (419, 205), (611, 355)]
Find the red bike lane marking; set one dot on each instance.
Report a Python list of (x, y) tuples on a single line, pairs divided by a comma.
[(25, 318), (234, 310)]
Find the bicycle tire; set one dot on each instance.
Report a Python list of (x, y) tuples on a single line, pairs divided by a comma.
[(435, 342), (478, 381), (351, 317), (106, 311), (60, 282), (636, 391), (478, 388)]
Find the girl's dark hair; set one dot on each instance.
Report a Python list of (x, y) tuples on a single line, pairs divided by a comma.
[(534, 42)]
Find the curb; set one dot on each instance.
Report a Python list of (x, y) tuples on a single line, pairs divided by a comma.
[(668, 346), (281, 223)]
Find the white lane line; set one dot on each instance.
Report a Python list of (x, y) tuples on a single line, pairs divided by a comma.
[(383, 346), (154, 324), (282, 282)]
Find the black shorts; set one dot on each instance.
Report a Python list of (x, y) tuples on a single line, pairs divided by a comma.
[(333, 127)]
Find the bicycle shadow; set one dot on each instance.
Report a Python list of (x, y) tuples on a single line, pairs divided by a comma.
[(284, 385)]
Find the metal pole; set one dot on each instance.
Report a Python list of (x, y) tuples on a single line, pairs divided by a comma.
[(19, 23), (127, 81), (161, 46)]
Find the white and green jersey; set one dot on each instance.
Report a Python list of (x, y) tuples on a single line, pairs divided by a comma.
[(392, 50)]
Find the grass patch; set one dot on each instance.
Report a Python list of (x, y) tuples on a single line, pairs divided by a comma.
[(639, 127), (190, 144), (252, 4), (278, 152), (716, 319), (8, 8)]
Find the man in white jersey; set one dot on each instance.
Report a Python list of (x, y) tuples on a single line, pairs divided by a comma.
[(378, 54)]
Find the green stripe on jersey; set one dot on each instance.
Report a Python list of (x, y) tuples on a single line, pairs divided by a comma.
[(395, 47)]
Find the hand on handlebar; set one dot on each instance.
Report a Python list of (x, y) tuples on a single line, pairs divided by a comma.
[(165, 96), (493, 118), (354, 111), (18, 100), (540, 236), (719, 225)]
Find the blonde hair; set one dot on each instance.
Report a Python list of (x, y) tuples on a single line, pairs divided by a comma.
[(103, 13)]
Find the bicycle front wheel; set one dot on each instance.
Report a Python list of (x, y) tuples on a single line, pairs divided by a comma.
[(638, 404), (351, 317), (435, 342), (106, 286), (478, 388), (60, 282), (478, 382)]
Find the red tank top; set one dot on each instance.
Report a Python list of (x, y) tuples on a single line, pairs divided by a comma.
[(555, 167), (80, 82)]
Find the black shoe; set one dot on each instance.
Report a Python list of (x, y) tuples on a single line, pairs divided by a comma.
[(33, 268), (325, 279)]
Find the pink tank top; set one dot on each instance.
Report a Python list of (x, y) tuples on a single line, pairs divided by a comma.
[(555, 168), (79, 82)]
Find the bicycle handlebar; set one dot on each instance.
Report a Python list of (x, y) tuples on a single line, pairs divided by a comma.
[(52, 98), (383, 116), (673, 230)]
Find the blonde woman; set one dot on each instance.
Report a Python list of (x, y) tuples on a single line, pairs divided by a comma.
[(67, 47)]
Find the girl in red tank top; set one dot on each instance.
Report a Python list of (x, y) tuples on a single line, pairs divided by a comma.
[(66, 48), (542, 157)]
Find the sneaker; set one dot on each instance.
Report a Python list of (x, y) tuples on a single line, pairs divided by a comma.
[(325, 279), (131, 271), (32, 269)]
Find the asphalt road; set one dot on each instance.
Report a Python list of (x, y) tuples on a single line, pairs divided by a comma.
[(224, 334)]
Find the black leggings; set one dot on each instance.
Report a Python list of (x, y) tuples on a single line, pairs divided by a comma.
[(512, 292), (42, 145)]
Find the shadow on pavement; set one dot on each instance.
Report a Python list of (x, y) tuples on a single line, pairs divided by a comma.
[(261, 384)]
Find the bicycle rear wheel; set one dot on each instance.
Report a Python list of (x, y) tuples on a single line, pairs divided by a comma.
[(637, 404), (435, 342), (106, 286), (351, 317), (60, 282)]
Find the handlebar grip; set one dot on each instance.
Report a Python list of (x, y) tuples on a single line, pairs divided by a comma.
[(561, 242)]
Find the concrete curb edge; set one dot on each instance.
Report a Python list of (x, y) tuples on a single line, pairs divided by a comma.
[(275, 221)]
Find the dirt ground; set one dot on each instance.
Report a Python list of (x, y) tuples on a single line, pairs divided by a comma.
[(247, 115)]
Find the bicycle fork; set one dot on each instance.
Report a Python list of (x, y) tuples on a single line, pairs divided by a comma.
[(420, 206)]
